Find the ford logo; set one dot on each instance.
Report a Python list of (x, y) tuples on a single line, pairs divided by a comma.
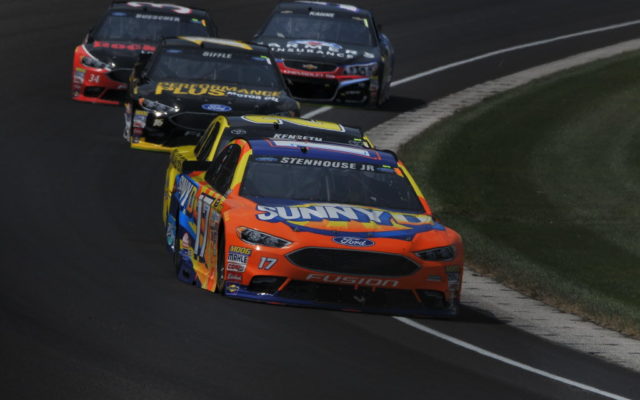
[(216, 107), (351, 241)]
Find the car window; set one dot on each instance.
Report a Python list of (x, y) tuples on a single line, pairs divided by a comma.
[(203, 148), (220, 174)]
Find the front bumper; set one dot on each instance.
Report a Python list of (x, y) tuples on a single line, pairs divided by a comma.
[(101, 86), (348, 298), (329, 86), (163, 133), (356, 283)]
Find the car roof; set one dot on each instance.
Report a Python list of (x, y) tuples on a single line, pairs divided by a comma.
[(215, 44), (322, 6), (125, 5), (289, 126), (324, 151)]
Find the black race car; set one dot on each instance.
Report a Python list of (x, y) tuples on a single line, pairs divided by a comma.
[(103, 63), (330, 52), (176, 92)]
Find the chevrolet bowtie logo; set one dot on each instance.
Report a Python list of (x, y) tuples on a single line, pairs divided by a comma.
[(310, 67)]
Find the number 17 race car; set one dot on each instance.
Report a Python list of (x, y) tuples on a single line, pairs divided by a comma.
[(313, 224)]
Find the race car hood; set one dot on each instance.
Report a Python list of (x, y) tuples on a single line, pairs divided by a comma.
[(122, 54), (218, 99), (332, 219), (319, 51)]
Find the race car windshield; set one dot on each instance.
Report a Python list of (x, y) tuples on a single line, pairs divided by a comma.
[(148, 28), (336, 29), (328, 181), (204, 65)]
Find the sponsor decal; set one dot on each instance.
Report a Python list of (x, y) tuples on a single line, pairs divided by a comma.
[(140, 119), (175, 8), (313, 162), (238, 131), (215, 54), (266, 159), (289, 136), (352, 280), (354, 242), (216, 107), (153, 17), (207, 89), (237, 258), (342, 213), (322, 14), (357, 222), (234, 277), (241, 250), (232, 288), (313, 47), (236, 267), (78, 76), (122, 46), (368, 55), (310, 67)]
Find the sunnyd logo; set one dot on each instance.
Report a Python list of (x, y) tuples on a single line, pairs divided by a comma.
[(354, 242), (376, 223)]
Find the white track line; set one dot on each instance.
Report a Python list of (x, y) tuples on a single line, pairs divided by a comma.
[(506, 360), (324, 109)]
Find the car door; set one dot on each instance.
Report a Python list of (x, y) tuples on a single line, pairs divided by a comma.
[(208, 211)]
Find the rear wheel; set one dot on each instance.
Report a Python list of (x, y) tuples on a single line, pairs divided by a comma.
[(220, 264)]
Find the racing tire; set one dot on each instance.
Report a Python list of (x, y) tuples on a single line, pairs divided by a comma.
[(220, 264)]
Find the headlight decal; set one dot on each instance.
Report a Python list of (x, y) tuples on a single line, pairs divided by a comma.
[(256, 237)]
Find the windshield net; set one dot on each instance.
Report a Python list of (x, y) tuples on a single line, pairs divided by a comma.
[(328, 181), (150, 28), (352, 30), (215, 66)]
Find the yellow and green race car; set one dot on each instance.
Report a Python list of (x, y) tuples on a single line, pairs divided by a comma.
[(224, 129)]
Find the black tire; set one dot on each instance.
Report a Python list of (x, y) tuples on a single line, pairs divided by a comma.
[(220, 263)]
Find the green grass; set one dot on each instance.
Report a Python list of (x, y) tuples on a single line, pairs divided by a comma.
[(543, 183)]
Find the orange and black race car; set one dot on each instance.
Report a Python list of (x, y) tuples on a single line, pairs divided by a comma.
[(103, 62), (313, 224)]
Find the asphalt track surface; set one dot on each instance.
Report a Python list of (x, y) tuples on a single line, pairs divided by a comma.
[(89, 306)]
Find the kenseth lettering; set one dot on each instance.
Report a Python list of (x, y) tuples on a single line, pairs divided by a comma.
[(339, 213), (327, 163), (351, 280), (289, 136)]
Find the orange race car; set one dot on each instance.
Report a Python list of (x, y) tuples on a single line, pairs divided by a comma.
[(313, 224)]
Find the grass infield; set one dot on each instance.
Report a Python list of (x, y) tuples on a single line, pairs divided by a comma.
[(543, 183)]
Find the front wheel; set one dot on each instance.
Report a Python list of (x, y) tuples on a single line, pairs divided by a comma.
[(220, 264)]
